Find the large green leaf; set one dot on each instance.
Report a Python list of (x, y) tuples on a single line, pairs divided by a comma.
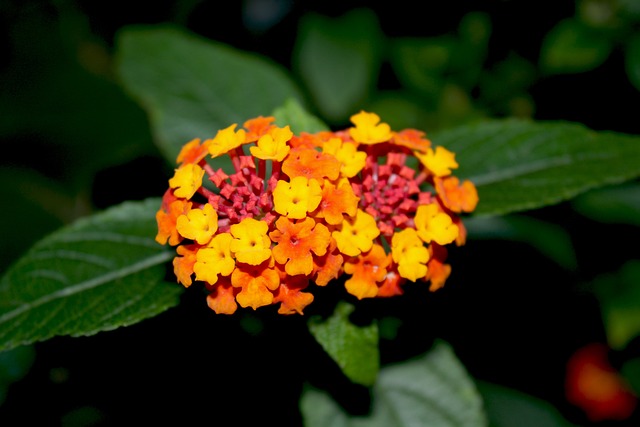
[(99, 273), (520, 165), (433, 390), (192, 87), (354, 348), (339, 60)]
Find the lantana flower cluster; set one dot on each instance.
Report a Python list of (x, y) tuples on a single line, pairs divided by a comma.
[(376, 206)]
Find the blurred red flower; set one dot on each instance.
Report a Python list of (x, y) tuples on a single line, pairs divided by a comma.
[(593, 385)]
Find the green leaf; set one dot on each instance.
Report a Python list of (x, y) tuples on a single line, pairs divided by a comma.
[(339, 59), (632, 60), (519, 165), (99, 273), (192, 87), (421, 63), (573, 47), (619, 296), (299, 120), (354, 348), (432, 390), (549, 239), (506, 407), (619, 204)]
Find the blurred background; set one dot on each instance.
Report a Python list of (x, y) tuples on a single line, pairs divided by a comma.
[(530, 289)]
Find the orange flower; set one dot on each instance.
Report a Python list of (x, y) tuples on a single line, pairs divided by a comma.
[(193, 151), (367, 269), (455, 197), (296, 241), (328, 266), (166, 221), (291, 297), (183, 264), (593, 385), (390, 286), (257, 127), (256, 282), (336, 202), (222, 298), (437, 271), (311, 164), (412, 139)]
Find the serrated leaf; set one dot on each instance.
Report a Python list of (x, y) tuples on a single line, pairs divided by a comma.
[(432, 390), (519, 165), (99, 273), (192, 86), (339, 60), (354, 348), (572, 47)]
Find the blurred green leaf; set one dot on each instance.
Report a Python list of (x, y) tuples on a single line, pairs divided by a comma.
[(507, 407), (14, 364), (632, 60), (192, 87), (619, 296), (354, 348), (519, 165), (432, 390), (421, 64), (339, 59), (619, 204), (99, 273), (292, 114), (428, 65), (549, 239), (573, 47)]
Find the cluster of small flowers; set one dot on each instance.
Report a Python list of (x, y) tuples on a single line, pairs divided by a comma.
[(308, 208)]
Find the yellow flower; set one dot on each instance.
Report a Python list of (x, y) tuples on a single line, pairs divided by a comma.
[(186, 180), (294, 199), (273, 146), (226, 140), (409, 252), (250, 244), (356, 234), (439, 162), (432, 224), (352, 161), (198, 224), (368, 129), (214, 259)]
